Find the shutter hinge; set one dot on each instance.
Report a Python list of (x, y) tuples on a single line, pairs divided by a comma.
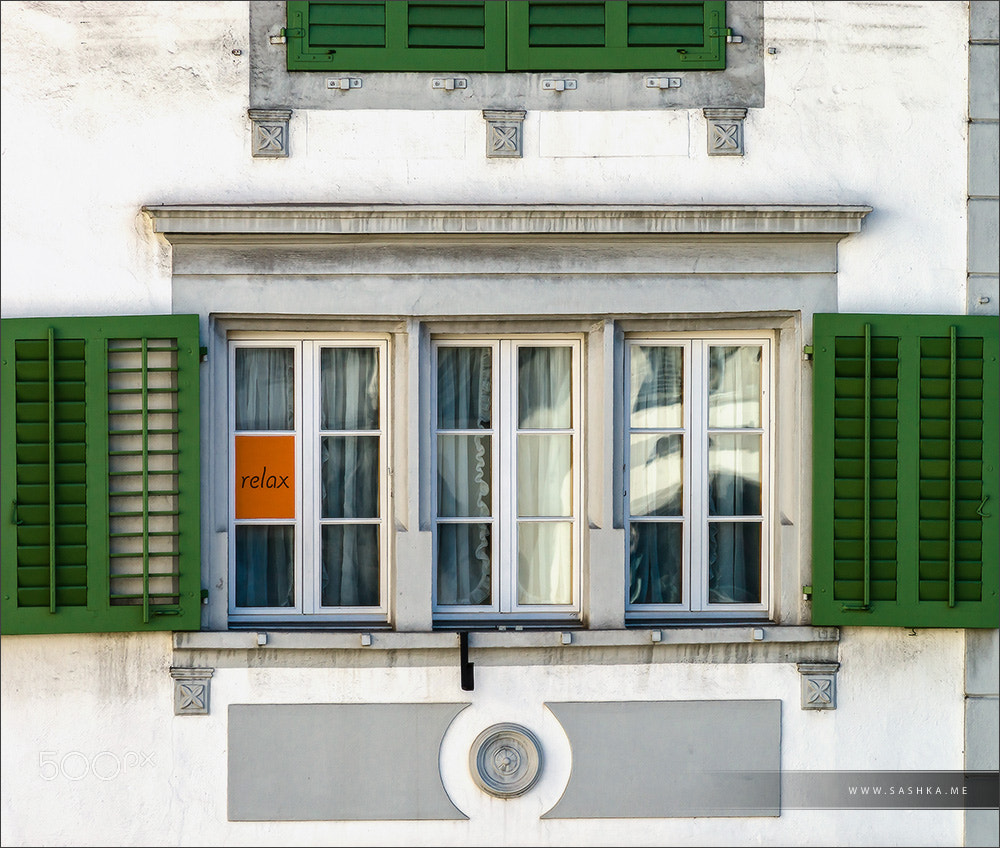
[(808, 351), (280, 38), (203, 353), (733, 39), (807, 592), (204, 596)]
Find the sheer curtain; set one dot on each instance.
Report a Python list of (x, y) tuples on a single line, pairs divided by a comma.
[(265, 379), (349, 476), (464, 491), (734, 474), (544, 476)]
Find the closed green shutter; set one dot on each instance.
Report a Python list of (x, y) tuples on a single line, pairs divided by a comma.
[(905, 470), (418, 35), (618, 35), (100, 474)]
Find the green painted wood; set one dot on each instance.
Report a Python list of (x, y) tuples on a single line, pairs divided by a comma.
[(617, 35), (445, 36), (56, 565), (928, 441)]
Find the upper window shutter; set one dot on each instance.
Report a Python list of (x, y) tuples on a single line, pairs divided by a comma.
[(100, 474), (905, 462), (590, 35), (418, 35)]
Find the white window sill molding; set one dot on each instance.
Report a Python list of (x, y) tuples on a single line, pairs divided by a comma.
[(446, 640), (180, 223)]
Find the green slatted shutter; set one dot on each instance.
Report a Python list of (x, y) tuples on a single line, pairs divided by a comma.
[(419, 35), (100, 474), (905, 466), (548, 35)]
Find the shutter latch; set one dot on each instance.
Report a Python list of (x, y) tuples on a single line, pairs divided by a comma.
[(342, 83), (663, 82), (450, 84), (13, 514), (980, 510), (559, 85)]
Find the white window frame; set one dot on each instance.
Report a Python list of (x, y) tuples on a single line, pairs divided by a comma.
[(504, 606), (695, 513), (307, 562)]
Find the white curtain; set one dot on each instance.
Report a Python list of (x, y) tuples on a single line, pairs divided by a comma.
[(464, 402), (349, 476), (264, 565), (734, 466), (544, 476), (265, 378)]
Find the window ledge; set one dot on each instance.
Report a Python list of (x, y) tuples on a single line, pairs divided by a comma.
[(264, 222), (280, 640)]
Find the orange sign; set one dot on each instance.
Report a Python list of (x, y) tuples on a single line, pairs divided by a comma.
[(265, 477)]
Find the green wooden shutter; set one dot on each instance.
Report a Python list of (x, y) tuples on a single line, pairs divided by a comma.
[(905, 465), (418, 35), (590, 35), (100, 474)]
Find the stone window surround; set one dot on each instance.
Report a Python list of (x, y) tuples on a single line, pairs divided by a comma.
[(740, 85), (206, 239)]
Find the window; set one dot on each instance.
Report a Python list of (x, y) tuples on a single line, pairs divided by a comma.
[(309, 500), (490, 36), (507, 491), (697, 489)]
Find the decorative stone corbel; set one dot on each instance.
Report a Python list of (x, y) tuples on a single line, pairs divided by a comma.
[(270, 132), (504, 133), (819, 685), (725, 131), (191, 690)]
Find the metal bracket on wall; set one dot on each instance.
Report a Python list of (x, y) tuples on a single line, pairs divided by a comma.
[(468, 679)]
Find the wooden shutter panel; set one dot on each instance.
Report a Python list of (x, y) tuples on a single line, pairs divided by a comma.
[(905, 459), (418, 35), (589, 35), (100, 474)]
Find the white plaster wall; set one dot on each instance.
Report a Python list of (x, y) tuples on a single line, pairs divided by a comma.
[(70, 702), (111, 105)]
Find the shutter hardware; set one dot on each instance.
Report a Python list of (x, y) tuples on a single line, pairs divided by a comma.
[(450, 84), (559, 85), (663, 82), (342, 83)]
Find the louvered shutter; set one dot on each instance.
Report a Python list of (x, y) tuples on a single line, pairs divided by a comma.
[(418, 35), (905, 470), (615, 35), (100, 474)]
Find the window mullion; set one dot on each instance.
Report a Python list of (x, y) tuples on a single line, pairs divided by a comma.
[(308, 477), (696, 507), (505, 518)]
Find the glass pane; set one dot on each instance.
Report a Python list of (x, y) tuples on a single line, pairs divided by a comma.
[(265, 378), (464, 475), (264, 565), (655, 562), (464, 571), (734, 562), (350, 565), (734, 475), (544, 475), (544, 383), (734, 386), (349, 467), (656, 393), (464, 388), (656, 477), (544, 562), (349, 388)]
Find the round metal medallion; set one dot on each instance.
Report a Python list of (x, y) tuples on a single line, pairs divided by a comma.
[(505, 760)]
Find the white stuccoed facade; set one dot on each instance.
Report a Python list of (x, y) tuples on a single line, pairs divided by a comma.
[(112, 106)]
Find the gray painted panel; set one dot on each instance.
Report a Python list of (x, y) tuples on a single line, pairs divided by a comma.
[(982, 828), (984, 236), (980, 287), (982, 660), (984, 19), (336, 762), (982, 732), (984, 99), (984, 153), (740, 84), (671, 759)]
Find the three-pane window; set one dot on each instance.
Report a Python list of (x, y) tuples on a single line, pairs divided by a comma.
[(697, 454), (309, 494), (507, 477)]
